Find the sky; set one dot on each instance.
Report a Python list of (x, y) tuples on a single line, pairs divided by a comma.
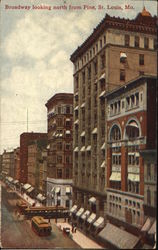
[(35, 54)]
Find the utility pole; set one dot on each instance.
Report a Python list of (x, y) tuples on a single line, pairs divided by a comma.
[(27, 120)]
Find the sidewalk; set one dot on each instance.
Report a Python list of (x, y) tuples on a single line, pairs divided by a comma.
[(82, 240)]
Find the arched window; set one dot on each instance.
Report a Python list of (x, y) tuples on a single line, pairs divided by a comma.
[(115, 134), (132, 130)]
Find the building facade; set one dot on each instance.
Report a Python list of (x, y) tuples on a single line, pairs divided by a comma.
[(8, 163), (35, 164), (131, 128), (117, 51), (25, 140), (59, 161), (17, 163)]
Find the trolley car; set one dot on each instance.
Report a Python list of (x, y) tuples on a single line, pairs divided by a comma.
[(40, 226)]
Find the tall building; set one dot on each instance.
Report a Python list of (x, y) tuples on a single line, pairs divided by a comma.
[(117, 51), (35, 161), (131, 128), (25, 139), (59, 162), (17, 163), (8, 165)]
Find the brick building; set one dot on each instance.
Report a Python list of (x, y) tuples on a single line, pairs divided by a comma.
[(25, 139), (59, 166), (117, 51), (17, 163), (35, 164), (131, 127)]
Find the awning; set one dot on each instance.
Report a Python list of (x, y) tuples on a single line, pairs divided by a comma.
[(123, 55), (118, 237), (60, 135), (15, 182), (26, 186), (83, 105), (134, 177), (10, 179), (30, 190), (83, 149), (76, 149), (146, 225), (83, 134), (40, 197), (76, 94), (68, 132), (92, 200), (103, 146), (102, 77), (102, 94), (115, 176), (48, 146), (132, 124), (73, 209), (57, 190), (85, 215), (99, 222), (153, 228), (103, 164), (68, 190), (94, 131), (80, 212), (68, 119), (88, 148), (76, 122), (76, 108), (91, 218), (52, 190)]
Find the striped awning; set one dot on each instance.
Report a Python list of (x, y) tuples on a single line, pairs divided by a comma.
[(88, 148), (73, 209), (134, 177), (94, 131), (103, 164), (99, 222), (91, 218), (92, 200), (26, 186), (80, 212), (102, 77), (76, 149), (83, 134), (85, 215), (115, 176)]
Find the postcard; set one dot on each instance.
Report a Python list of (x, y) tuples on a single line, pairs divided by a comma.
[(78, 124)]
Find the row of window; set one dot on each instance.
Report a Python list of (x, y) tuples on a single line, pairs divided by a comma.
[(61, 146), (137, 42), (92, 52), (60, 159), (132, 131), (60, 172), (131, 101), (62, 109)]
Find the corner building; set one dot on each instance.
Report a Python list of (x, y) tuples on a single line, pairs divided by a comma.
[(117, 51), (131, 128), (59, 161)]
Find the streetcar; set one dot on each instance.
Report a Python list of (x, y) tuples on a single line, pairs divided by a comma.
[(40, 226)]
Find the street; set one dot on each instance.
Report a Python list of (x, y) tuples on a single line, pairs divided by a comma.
[(17, 233)]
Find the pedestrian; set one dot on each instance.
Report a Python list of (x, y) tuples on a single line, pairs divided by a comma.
[(75, 229)]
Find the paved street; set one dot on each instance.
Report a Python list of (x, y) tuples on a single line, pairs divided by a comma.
[(17, 232)]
